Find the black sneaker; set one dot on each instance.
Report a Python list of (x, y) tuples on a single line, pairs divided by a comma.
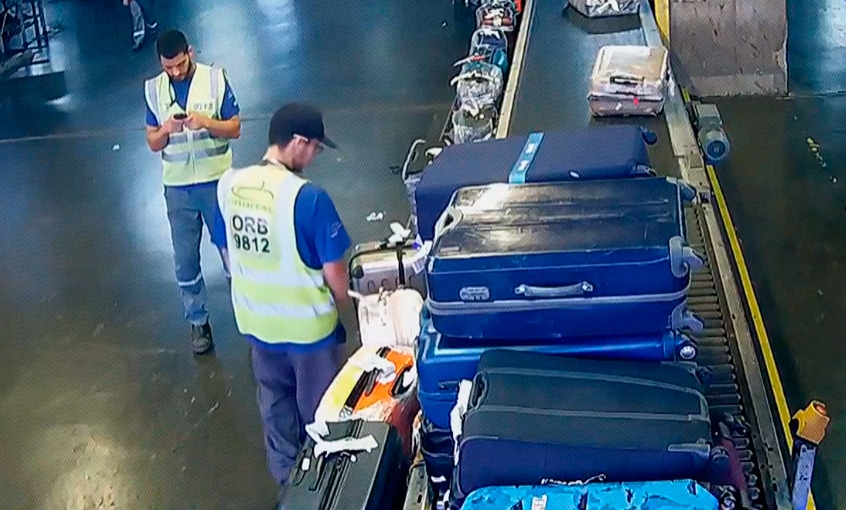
[(201, 339)]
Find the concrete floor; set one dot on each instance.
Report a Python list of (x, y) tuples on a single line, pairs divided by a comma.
[(786, 190), (788, 202), (102, 404), (816, 46)]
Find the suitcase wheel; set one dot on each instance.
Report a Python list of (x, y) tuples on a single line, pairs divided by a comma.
[(719, 459), (688, 350), (735, 424), (705, 375), (649, 137), (726, 496)]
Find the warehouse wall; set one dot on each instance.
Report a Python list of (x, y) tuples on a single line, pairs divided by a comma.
[(730, 47)]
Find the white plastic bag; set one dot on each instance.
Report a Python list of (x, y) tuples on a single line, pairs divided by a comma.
[(479, 85), (389, 318)]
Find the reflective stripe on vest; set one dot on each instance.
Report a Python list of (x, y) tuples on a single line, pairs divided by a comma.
[(191, 156), (275, 296)]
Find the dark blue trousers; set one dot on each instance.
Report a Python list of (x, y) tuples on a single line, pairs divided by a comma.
[(290, 386)]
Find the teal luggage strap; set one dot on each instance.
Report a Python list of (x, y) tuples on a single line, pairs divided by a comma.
[(521, 167)]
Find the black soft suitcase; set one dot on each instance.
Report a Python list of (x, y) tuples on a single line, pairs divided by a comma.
[(358, 480), (536, 416)]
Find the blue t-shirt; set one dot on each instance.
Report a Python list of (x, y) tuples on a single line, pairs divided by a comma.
[(321, 239)]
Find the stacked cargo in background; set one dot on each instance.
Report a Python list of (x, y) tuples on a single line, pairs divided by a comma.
[(565, 244), (481, 80), (629, 80)]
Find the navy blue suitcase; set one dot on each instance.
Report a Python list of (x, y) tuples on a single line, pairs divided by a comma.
[(443, 362), (591, 153), (533, 417), (438, 449), (563, 260)]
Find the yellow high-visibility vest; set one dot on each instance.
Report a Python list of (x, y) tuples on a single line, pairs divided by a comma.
[(191, 156), (277, 298)]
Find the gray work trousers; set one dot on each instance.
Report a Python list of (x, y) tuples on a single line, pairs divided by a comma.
[(143, 19), (290, 386)]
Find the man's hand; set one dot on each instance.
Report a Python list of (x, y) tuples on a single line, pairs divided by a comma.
[(158, 137), (197, 121), (172, 125), (126, 3), (337, 277), (224, 255)]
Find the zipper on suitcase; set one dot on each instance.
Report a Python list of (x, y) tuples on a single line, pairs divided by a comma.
[(449, 385), (611, 378), (338, 467), (354, 427), (459, 307)]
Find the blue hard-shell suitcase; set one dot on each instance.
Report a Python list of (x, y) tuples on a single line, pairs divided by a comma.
[(563, 260), (443, 362), (533, 417), (598, 152), (660, 495)]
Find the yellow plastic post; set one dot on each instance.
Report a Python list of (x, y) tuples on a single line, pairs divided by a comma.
[(808, 427), (810, 424)]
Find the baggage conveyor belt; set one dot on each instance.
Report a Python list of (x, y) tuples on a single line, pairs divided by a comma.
[(547, 90)]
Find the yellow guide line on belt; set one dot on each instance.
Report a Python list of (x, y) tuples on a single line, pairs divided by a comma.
[(662, 19), (755, 311)]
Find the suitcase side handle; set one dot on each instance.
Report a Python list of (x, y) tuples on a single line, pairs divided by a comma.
[(626, 79), (447, 221), (577, 289), (414, 154), (480, 387)]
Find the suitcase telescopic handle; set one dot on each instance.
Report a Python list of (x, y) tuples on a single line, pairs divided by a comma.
[(577, 289)]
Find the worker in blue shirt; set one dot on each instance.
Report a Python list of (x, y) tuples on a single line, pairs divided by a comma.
[(192, 115), (144, 26), (287, 249)]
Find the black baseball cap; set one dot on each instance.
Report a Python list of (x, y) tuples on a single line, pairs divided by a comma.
[(298, 119)]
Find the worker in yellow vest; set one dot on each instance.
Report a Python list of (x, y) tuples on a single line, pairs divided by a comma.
[(192, 115), (287, 248)]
